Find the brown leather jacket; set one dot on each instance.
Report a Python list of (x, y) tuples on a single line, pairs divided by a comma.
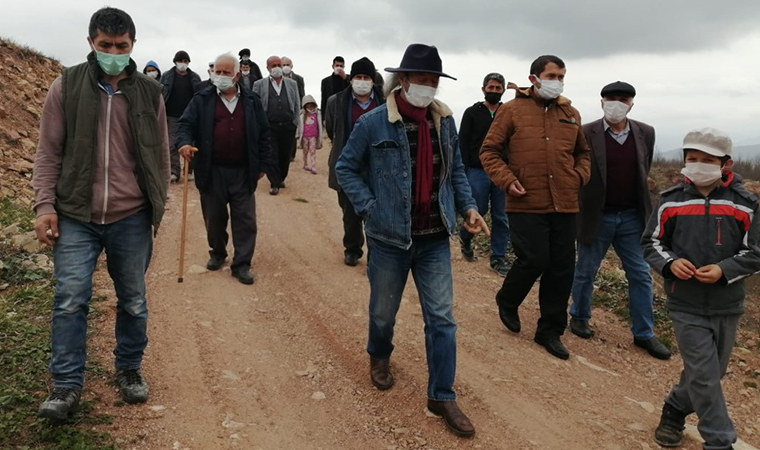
[(543, 147)]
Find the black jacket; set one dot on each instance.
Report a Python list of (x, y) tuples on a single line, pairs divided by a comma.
[(721, 229), (167, 79), (197, 125), (593, 195), (338, 126), (476, 121), (331, 85)]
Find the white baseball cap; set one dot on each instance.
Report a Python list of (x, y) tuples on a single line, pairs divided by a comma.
[(709, 140)]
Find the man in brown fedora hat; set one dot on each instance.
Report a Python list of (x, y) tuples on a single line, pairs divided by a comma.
[(402, 171)]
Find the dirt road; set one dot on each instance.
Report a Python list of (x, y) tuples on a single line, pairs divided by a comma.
[(282, 364)]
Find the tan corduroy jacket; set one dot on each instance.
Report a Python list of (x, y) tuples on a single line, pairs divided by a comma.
[(543, 147)]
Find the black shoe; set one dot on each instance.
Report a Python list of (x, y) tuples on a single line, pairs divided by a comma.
[(669, 432), (350, 259), (380, 373), (467, 250), (509, 318), (500, 266), (282, 185), (454, 418), (59, 404), (133, 387), (215, 262), (581, 329), (243, 275), (274, 191), (554, 346), (653, 347)]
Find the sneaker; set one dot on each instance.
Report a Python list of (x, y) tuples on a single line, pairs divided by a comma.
[(314, 170), (654, 347), (274, 191), (307, 168), (59, 404), (191, 176), (669, 432), (500, 266), (133, 387), (174, 178), (467, 250)]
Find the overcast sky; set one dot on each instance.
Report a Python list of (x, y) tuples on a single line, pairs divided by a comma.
[(693, 62)]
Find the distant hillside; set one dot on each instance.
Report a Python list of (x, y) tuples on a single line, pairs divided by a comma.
[(25, 76), (743, 152)]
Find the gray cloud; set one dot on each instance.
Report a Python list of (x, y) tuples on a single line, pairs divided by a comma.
[(587, 29)]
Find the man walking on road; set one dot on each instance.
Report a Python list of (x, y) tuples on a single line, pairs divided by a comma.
[(402, 171), (343, 110), (179, 82), (336, 82), (233, 153), (279, 97), (547, 162), (101, 173), (476, 121), (615, 206)]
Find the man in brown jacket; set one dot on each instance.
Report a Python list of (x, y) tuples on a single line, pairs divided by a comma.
[(535, 150)]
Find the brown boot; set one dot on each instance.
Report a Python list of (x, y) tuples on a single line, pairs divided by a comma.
[(380, 373), (453, 416)]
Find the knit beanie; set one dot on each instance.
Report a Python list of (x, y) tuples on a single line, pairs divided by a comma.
[(363, 67), (180, 55)]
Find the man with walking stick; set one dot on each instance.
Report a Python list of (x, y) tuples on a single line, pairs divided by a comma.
[(231, 129)]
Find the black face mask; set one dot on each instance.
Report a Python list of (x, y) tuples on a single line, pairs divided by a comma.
[(494, 97)]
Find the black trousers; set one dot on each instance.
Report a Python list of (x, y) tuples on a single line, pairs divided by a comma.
[(281, 137), (545, 246), (229, 186), (353, 227)]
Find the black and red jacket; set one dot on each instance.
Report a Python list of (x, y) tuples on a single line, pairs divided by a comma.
[(718, 229)]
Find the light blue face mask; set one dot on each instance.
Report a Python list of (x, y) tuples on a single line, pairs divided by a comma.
[(112, 64)]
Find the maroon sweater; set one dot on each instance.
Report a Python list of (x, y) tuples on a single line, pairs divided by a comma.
[(357, 111), (229, 147), (621, 174)]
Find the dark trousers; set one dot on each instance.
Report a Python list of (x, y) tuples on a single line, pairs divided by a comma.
[(281, 136), (353, 227), (545, 246), (230, 185), (173, 126)]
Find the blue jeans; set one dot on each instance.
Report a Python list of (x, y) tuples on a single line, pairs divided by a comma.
[(128, 244), (485, 192), (623, 230), (430, 263)]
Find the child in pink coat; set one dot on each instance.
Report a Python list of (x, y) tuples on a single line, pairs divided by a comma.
[(309, 134)]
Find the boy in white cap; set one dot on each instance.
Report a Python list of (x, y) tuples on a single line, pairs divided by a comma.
[(703, 240)]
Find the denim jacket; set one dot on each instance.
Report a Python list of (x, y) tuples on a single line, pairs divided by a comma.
[(374, 170)]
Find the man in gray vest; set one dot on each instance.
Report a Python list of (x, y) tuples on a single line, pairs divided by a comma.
[(101, 173), (279, 96)]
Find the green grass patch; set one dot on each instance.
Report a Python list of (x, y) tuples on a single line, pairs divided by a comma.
[(11, 214), (301, 200), (25, 310)]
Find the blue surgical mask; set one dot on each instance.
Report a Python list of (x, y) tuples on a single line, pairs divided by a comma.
[(112, 64)]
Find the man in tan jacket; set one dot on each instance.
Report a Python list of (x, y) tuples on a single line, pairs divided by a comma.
[(536, 152)]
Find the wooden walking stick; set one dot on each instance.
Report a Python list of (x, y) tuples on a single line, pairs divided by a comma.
[(185, 170)]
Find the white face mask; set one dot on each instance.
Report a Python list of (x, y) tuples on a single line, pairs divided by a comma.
[(182, 67), (361, 87), (153, 74), (223, 83), (550, 89), (420, 95), (614, 111), (276, 72), (702, 174), (287, 70), (337, 70), (245, 72)]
